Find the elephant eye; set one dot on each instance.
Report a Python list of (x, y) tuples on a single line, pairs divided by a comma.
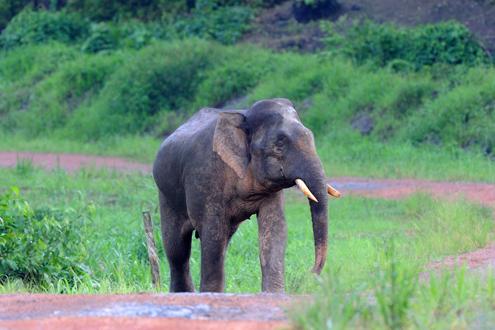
[(281, 140)]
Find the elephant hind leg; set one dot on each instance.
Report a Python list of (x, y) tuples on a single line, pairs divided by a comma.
[(177, 244)]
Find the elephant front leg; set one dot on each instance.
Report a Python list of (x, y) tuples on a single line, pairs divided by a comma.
[(272, 230), (212, 263)]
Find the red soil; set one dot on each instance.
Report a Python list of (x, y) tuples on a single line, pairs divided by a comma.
[(482, 193), (71, 162), (203, 311), (144, 311)]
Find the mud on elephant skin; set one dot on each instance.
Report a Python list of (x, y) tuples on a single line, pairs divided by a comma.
[(221, 167)]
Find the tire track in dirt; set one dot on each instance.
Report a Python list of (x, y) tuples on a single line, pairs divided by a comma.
[(204, 311)]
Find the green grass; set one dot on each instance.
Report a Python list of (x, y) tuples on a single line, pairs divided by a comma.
[(393, 297), (422, 228), (353, 156)]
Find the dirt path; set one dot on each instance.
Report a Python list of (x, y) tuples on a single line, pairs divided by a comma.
[(71, 162), (205, 311), (145, 311), (482, 193)]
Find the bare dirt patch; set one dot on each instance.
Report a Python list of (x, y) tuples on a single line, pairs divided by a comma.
[(144, 311), (482, 193), (71, 162)]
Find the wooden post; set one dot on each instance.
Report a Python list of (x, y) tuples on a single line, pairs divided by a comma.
[(152, 255)]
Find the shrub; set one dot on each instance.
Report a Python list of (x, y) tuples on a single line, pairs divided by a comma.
[(102, 37), (462, 117), (224, 24), (131, 34), (446, 42), (119, 9), (33, 27), (39, 246)]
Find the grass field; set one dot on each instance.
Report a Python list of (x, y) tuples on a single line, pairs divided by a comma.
[(363, 285), (423, 230), (377, 249)]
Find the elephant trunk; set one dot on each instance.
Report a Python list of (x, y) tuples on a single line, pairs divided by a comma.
[(319, 217), (316, 182)]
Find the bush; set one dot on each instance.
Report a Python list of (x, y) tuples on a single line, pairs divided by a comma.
[(119, 9), (39, 246), (462, 117), (102, 37), (33, 27), (425, 45), (224, 24), (131, 34)]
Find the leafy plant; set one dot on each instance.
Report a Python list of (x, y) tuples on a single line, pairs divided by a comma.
[(39, 246), (425, 45), (223, 24), (102, 37), (33, 27)]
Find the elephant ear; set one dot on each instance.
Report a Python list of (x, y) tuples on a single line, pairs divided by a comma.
[(230, 141)]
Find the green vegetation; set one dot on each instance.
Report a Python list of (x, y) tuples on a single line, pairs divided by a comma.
[(38, 27), (386, 44), (393, 297), (95, 76), (41, 246), (106, 207), (92, 96)]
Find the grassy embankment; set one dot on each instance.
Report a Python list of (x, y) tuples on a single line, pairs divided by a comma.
[(435, 123)]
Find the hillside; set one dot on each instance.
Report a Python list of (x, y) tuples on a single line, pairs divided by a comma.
[(91, 73), (278, 27)]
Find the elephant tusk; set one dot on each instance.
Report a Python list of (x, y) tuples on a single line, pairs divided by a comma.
[(333, 192), (300, 183)]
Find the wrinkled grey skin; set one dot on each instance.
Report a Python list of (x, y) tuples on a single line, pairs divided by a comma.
[(221, 167)]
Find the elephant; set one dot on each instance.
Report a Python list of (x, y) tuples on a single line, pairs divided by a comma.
[(223, 166)]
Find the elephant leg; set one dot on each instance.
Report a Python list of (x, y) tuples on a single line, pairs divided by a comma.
[(272, 230), (177, 244), (212, 264)]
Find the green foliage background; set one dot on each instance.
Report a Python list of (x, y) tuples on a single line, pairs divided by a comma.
[(86, 96)]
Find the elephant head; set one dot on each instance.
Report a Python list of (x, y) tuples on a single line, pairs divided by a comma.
[(268, 147)]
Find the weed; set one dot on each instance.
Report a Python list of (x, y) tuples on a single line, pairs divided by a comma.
[(394, 289)]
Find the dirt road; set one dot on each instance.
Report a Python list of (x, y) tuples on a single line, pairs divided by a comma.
[(205, 311), (145, 311)]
